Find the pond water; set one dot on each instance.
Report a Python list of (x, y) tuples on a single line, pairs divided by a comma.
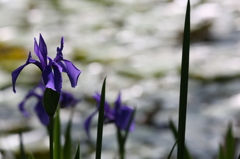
[(137, 45)]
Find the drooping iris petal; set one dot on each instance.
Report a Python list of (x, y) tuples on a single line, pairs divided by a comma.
[(72, 71), (38, 91), (16, 72), (48, 78), (87, 123), (22, 108), (124, 117), (41, 113)]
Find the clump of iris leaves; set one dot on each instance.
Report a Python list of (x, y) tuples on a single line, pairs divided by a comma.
[(51, 98)]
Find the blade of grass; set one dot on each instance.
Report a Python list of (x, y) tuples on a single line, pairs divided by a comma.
[(229, 143), (22, 151), (100, 121), (173, 129), (67, 148), (57, 136), (184, 85), (30, 156), (170, 154), (221, 154), (120, 143), (78, 156), (175, 134)]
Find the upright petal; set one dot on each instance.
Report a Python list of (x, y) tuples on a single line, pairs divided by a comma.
[(124, 117), (62, 44), (57, 77), (16, 72), (43, 48), (107, 109), (72, 71), (118, 103), (41, 51), (59, 56)]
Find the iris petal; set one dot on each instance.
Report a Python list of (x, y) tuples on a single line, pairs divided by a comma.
[(57, 77), (107, 109), (42, 58), (72, 71), (48, 78), (16, 72), (22, 108), (43, 48), (87, 123), (124, 117), (67, 100), (118, 104), (41, 113)]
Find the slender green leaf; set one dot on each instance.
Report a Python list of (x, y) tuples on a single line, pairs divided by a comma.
[(229, 143), (184, 85), (173, 129), (175, 134), (221, 154), (120, 143), (100, 121), (22, 151), (30, 156), (50, 100), (170, 154), (67, 149), (77, 155), (57, 136)]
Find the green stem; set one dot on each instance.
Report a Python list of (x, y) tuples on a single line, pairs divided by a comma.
[(121, 150), (23, 155), (51, 129)]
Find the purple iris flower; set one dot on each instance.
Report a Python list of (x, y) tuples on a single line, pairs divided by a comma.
[(120, 114), (51, 68), (66, 100)]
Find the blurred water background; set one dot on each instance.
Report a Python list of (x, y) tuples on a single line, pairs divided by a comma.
[(137, 45)]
